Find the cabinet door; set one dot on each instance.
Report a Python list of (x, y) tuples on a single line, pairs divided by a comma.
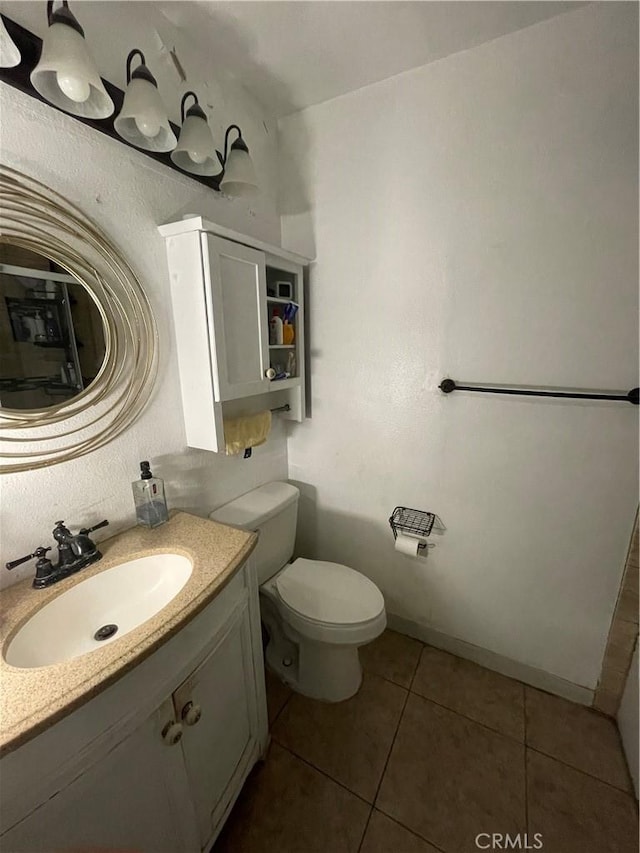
[(134, 799), (219, 746), (236, 293)]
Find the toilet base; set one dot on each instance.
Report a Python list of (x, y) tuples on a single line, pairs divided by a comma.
[(319, 671), (330, 672)]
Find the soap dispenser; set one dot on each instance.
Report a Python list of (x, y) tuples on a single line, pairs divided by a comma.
[(148, 494)]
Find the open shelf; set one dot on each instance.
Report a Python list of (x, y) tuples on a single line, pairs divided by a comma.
[(279, 301), (292, 382)]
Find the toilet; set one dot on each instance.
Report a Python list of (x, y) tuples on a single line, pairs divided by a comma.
[(316, 614)]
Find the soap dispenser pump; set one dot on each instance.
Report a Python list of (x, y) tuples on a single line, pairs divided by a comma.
[(148, 494)]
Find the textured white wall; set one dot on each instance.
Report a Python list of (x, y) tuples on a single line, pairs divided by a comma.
[(477, 218), (129, 195), (628, 721)]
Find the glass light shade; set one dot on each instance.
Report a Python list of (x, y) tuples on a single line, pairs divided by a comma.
[(9, 53), (239, 175), (143, 118), (195, 152), (67, 77)]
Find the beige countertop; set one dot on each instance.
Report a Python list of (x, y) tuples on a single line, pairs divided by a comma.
[(32, 699)]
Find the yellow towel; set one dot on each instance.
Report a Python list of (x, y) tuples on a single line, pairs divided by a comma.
[(246, 431)]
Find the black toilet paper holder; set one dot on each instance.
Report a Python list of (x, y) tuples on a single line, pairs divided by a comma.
[(414, 522)]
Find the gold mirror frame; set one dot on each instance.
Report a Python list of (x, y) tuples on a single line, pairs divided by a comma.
[(36, 218)]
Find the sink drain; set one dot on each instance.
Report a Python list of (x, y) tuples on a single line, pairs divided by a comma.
[(105, 632)]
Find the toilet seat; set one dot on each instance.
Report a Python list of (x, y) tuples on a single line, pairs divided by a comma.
[(329, 593)]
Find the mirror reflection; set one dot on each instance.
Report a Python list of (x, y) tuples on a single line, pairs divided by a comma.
[(52, 342)]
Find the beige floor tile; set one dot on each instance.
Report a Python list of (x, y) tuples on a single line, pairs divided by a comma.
[(288, 807), (384, 835), (392, 656), (575, 813), (577, 735), (348, 740), (449, 778), (471, 690), (277, 695)]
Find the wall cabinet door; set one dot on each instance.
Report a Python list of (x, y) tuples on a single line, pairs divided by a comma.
[(217, 707), (134, 798), (235, 294)]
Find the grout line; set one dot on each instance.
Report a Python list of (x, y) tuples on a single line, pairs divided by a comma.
[(408, 829), (364, 831), (284, 705), (583, 772), (395, 735), (512, 738), (406, 699), (322, 772), (415, 669)]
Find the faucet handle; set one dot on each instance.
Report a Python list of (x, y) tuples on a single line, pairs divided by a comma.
[(61, 533), (39, 553), (86, 530)]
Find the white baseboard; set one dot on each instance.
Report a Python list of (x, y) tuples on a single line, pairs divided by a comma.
[(491, 660)]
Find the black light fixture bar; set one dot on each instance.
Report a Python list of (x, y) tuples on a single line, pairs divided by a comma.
[(449, 385), (30, 47)]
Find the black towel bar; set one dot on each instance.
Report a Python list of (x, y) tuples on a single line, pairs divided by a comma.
[(449, 385)]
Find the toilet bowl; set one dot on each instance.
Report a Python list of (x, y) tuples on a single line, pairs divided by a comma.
[(316, 614)]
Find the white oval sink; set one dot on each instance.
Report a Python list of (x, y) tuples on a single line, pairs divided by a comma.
[(124, 596)]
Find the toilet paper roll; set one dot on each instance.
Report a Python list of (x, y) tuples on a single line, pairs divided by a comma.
[(407, 545)]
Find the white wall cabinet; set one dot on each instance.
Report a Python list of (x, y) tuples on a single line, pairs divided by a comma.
[(225, 289), (154, 781), (235, 290)]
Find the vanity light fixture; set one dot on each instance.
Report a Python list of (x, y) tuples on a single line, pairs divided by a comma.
[(9, 53), (195, 152), (239, 177), (66, 77), (66, 74), (143, 120)]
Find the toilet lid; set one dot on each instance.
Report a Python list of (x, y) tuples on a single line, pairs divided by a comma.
[(329, 592)]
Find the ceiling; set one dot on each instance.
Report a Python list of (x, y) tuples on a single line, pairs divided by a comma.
[(293, 54)]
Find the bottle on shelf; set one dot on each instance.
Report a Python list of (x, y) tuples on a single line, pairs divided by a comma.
[(275, 328), (288, 333)]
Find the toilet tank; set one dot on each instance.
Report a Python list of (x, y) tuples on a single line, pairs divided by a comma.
[(273, 510)]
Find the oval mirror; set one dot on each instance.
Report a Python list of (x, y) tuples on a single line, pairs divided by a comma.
[(78, 336), (52, 340)]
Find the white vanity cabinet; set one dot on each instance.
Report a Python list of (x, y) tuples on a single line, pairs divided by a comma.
[(155, 762), (225, 288), (217, 707), (133, 798)]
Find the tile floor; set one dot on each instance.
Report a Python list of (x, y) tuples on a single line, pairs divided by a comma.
[(432, 751)]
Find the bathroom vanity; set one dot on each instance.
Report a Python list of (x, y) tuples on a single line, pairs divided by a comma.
[(144, 744)]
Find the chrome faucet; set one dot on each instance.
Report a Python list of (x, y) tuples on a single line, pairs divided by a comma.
[(74, 553)]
